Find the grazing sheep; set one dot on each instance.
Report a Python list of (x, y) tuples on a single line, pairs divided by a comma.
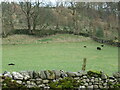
[(98, 48), (85, 46), (102, 45), (11, 64)]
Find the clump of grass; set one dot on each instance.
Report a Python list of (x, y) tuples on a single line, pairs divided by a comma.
[(45, 40)]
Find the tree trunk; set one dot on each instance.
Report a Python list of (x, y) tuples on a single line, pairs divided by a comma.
[(29, 25)]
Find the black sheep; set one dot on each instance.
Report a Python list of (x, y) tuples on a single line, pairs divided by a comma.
[(102, 45), (85, 46), (11, 64), (98, 48)]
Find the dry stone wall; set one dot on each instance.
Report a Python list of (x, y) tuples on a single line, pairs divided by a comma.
[(41, 79)]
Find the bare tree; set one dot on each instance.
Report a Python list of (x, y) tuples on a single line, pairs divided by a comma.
[(26, 7)]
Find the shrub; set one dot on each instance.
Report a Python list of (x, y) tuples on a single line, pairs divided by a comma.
[(99, 32), (66, 83), (8, 83)]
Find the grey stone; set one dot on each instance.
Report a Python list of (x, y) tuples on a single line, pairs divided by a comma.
[(90, 83), (111, 80), (118, 79), (71, 74), (92, 77), (85, 77), (35, 74), (78, 74), (57, 74), (45, 81), (19, 82), (17, 76), (30, 74), (8, 74), (33, 80), (63, 74), (84, 80), (92, 80), (90, 86), (87, 80), (100, 86), (86, 84), (76, 78), (103, 76), (25, 74), (116, 75), (28, 82), (95, 86), (96, 80), (38, 81), (81, 86), (42, 75), (46, 87), (104, 84), (42, 85), (50, 74)]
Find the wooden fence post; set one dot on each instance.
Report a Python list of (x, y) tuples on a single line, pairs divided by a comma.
[(84, 64)]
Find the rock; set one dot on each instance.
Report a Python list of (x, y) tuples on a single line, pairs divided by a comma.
[(116, 75), (57, 74), (82, 72), (91, 86), (87, 80), (99, 79), (76, 78), (42, 75), (63, 74), (35, 74), (25, 74), (28, 82), (85, 77), (19, 82), (46, 87), (71, 74), (50, 74), (45, 81), (95, 86), (84, 80), (78, 74), (100, 86), (111, 78), (17, 76), (86, 84), (8, 74), (104, 84), (92, 80), (30, 73), (118, 79), (103, 76), (92, 77), (96, 80), (33, 80), (38, 81), (42, 85), (32, 83), (81, 86), (90, 83)]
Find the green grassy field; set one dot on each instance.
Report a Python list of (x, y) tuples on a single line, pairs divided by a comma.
[(58, 52)]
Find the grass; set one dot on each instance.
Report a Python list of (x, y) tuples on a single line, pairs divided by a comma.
[(60, 53)]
